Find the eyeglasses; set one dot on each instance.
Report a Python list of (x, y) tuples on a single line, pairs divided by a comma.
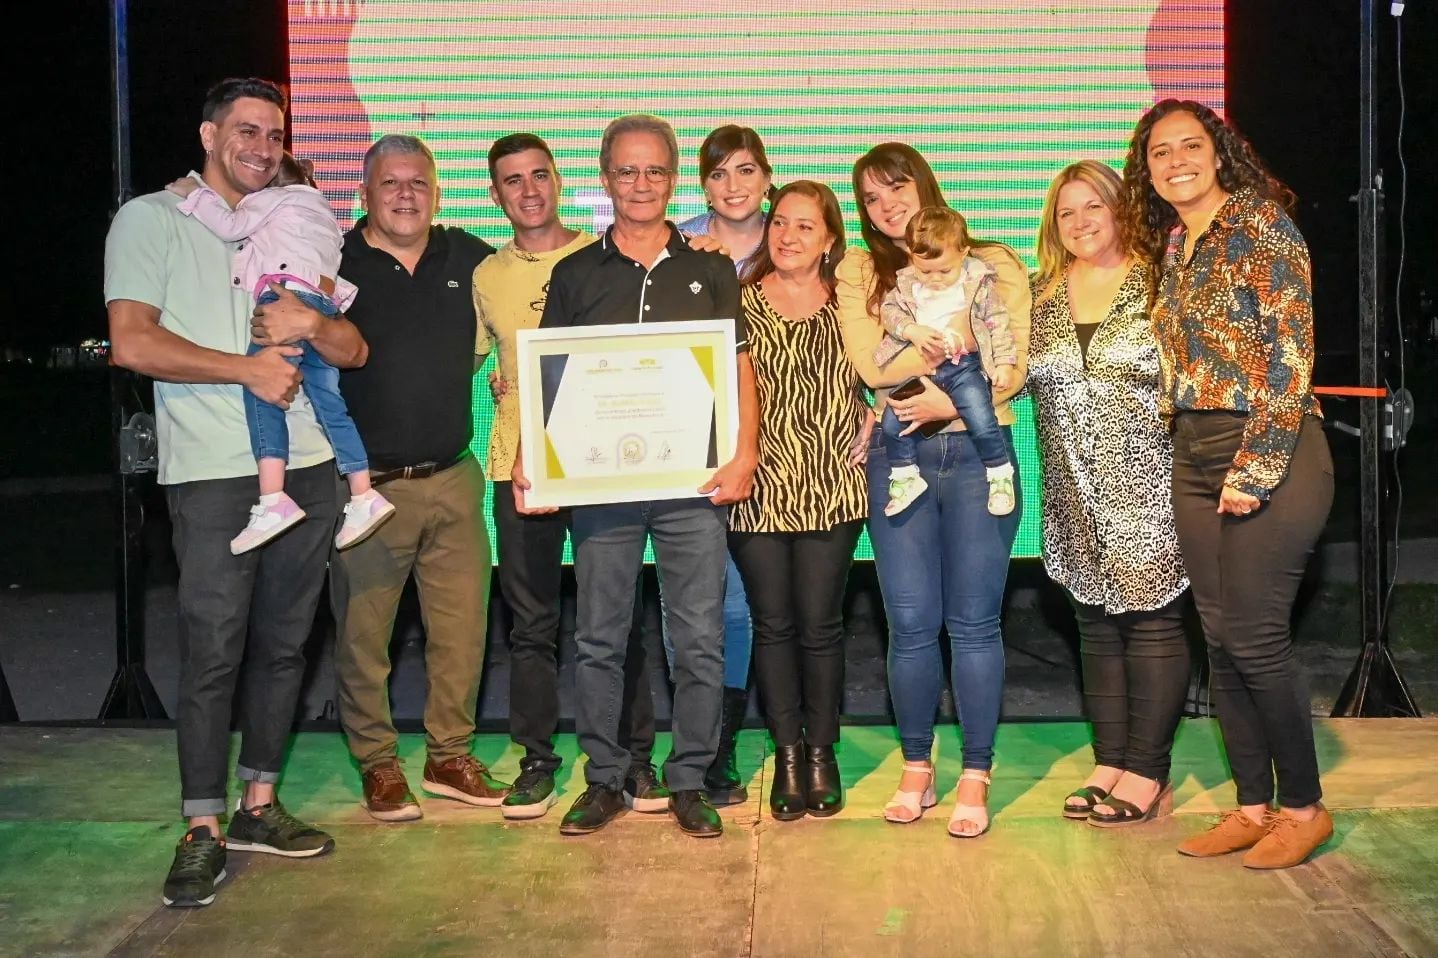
[(629, 175)]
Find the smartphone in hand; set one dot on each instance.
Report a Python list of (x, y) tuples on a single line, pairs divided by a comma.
[(910, 388)]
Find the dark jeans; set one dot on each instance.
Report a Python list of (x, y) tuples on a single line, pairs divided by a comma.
[(243, 617), (795, 583), (270, 436), (1245, 572), (531, 556), (968, 387), (690, 551), (1135, 676), (943, 562)]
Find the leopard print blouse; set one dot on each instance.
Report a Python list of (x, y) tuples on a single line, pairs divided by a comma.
[(1108, 534)]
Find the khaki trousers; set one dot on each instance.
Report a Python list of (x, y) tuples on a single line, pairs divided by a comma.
[(438, 533)]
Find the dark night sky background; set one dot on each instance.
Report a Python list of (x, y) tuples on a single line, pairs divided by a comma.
[(1292, 88)]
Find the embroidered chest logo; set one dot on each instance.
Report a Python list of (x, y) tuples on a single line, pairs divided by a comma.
[(454, 284), (694, 287)]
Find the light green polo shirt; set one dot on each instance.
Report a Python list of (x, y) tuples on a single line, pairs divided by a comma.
[(158, 256)]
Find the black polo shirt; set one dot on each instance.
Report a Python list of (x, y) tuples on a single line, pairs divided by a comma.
[(411, 399), (599, 285)]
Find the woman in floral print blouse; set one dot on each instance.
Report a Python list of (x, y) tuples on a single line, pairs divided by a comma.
[(1252, 476)]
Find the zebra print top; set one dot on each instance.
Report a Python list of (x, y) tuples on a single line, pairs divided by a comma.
[(809, 412)]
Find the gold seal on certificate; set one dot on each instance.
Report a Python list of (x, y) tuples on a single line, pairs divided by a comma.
[(628, 412)]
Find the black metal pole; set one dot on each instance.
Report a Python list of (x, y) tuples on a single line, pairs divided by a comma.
[(1374, 687), (131, 695)]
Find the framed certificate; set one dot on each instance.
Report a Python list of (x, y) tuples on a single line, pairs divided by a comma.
[(626, 413)]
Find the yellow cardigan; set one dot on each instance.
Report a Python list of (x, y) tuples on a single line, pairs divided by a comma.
[(862, 330)]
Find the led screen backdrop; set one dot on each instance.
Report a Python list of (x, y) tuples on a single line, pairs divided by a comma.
[(997, 96)]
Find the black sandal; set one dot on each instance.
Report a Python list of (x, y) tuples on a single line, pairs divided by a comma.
[(1091, 794), (1127, 813)]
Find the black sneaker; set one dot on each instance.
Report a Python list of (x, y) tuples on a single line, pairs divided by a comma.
[(695, 815), (199, 866), (274, 831), (642, 791), (531, 795), (591, 811)]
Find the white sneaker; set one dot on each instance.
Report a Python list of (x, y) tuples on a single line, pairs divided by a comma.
[(1001, 496), (902, 493), (266, 522), (363, 515)]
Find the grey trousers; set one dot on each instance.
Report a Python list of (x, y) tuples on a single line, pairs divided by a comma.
[(690, 549)]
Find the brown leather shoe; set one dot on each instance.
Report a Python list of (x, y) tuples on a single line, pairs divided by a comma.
[(1233, 833), (1289, 841), (464, 779), (387, 796)]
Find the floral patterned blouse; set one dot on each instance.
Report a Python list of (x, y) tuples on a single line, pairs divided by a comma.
[(1235, 332), (1108, 534)]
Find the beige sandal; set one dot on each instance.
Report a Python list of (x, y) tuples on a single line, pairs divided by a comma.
[(906, 807), (971, 814)]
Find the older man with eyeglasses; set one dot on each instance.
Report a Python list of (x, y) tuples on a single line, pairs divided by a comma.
[(642, 270)]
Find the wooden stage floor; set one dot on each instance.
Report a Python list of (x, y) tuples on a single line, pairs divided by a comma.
[(88, 823)]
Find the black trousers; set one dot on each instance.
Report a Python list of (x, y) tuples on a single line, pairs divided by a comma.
[(795, 582), (1245, 572), (1135, 675), (244, 621), (531, 556)]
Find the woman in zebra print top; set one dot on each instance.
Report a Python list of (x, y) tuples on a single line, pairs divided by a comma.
[(794, 538)]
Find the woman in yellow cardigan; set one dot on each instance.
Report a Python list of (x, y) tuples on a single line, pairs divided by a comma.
[(944, 561)]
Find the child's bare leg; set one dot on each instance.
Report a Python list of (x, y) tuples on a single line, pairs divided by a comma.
[(359, 482), (272, 476)]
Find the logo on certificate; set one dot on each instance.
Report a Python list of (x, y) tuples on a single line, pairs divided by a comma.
[(632, 450)]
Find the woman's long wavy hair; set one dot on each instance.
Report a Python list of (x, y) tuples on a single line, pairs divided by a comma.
[(891, 163), (1150, 217), (1054, 259), (761, 264)]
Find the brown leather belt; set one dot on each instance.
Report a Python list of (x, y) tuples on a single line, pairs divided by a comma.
[(420, 470)]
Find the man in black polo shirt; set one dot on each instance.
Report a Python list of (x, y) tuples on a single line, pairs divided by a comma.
[(641, 270), (411, 402)]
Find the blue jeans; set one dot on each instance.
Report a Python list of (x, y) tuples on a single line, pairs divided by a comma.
[(944, 562), (738, 630), (968, 387), (270, 437), (691, 554)]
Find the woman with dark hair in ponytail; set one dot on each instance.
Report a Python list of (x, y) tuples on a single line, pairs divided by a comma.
[(737, 179), (1252, 476)]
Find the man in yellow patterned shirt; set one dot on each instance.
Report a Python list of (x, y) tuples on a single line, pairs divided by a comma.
[(509, 293)]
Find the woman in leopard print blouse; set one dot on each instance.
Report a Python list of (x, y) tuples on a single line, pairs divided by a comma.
[(1252, 477), (1108, 517)]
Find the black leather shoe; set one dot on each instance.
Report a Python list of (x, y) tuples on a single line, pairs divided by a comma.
[(787, 799), (592, 810), (642, 791), (722, 784), (694, 814), (824, 793)]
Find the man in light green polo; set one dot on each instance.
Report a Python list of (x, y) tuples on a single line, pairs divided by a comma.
[(180, 315)]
